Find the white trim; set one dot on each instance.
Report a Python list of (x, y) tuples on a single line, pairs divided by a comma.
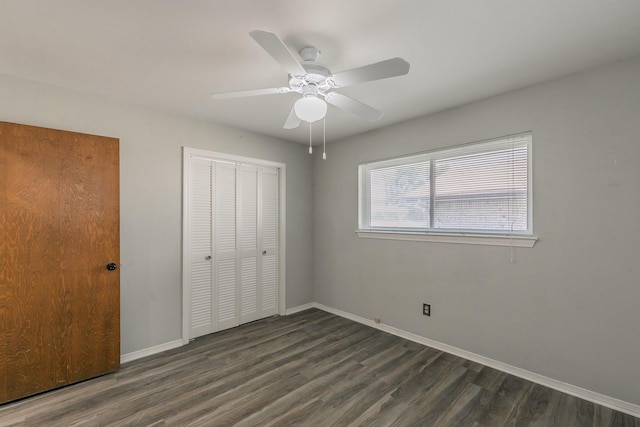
[(124, 358), (282, 241), (150, 351), (206, 154), (505, 143), (469, 239), (591, 396), (299, 308), (282, 265), (186, 243)]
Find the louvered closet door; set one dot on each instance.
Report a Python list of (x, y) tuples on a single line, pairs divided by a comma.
[(233, 244), (258, 242), (248, 243), (269, 241), (225, 283), (200, 246)]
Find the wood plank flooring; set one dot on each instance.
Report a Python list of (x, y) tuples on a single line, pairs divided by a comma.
[(309, 369)]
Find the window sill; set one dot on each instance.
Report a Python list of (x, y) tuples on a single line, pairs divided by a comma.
[(469, 239)]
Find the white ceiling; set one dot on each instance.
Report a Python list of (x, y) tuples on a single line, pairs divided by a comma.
[(171, 54)]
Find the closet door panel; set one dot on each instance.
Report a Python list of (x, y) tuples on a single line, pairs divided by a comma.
[(225, 254), (249, 290), (269, 201), (200, 240), (248, 242)]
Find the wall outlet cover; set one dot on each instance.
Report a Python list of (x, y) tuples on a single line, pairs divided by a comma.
[(426, 309)]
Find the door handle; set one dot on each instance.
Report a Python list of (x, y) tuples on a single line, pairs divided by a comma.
[(111, 266), (264, 252), (208, 257)]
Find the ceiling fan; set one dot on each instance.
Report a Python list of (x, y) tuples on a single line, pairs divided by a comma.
[(316, 83)]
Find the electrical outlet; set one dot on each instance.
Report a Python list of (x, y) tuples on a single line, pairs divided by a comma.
[(426, 309)]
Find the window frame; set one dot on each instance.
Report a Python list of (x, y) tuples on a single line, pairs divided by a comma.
[(468, 236)]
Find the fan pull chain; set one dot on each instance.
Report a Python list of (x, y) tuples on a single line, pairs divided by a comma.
[(310, 149), (324, 138)]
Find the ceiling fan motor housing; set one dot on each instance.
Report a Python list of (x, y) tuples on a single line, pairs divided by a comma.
[(316, 73)]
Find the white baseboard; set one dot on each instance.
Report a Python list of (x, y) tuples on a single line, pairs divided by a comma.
[(124, 358), (300, 308), (591, 396)]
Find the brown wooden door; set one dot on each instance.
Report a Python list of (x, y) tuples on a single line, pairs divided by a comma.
[(59, 228)]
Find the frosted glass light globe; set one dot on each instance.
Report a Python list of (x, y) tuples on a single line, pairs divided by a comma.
[(310, 108)]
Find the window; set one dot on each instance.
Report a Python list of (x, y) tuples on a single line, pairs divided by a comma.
[(480, 189)]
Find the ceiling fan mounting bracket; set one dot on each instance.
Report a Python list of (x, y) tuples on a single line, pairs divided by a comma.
[(315, 72), (309, 53)]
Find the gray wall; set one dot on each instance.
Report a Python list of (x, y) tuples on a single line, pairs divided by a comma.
[(151, 196), (568, 307)]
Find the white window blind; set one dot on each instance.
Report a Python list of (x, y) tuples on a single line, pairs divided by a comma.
[(400, 196), (476, 188)]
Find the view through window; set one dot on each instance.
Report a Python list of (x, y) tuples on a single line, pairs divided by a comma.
[(476, 188)]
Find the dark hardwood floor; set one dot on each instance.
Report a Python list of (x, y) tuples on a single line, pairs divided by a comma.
[(310, 369)]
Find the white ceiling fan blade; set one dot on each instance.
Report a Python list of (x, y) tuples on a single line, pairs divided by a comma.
[(380, 70), (292, 121), (354, 107), (250, 92), (279, 51)]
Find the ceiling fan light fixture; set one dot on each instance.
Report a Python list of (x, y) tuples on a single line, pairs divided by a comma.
[(310, 108)]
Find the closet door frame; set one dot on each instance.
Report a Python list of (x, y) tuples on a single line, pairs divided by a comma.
[(188, 154)]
